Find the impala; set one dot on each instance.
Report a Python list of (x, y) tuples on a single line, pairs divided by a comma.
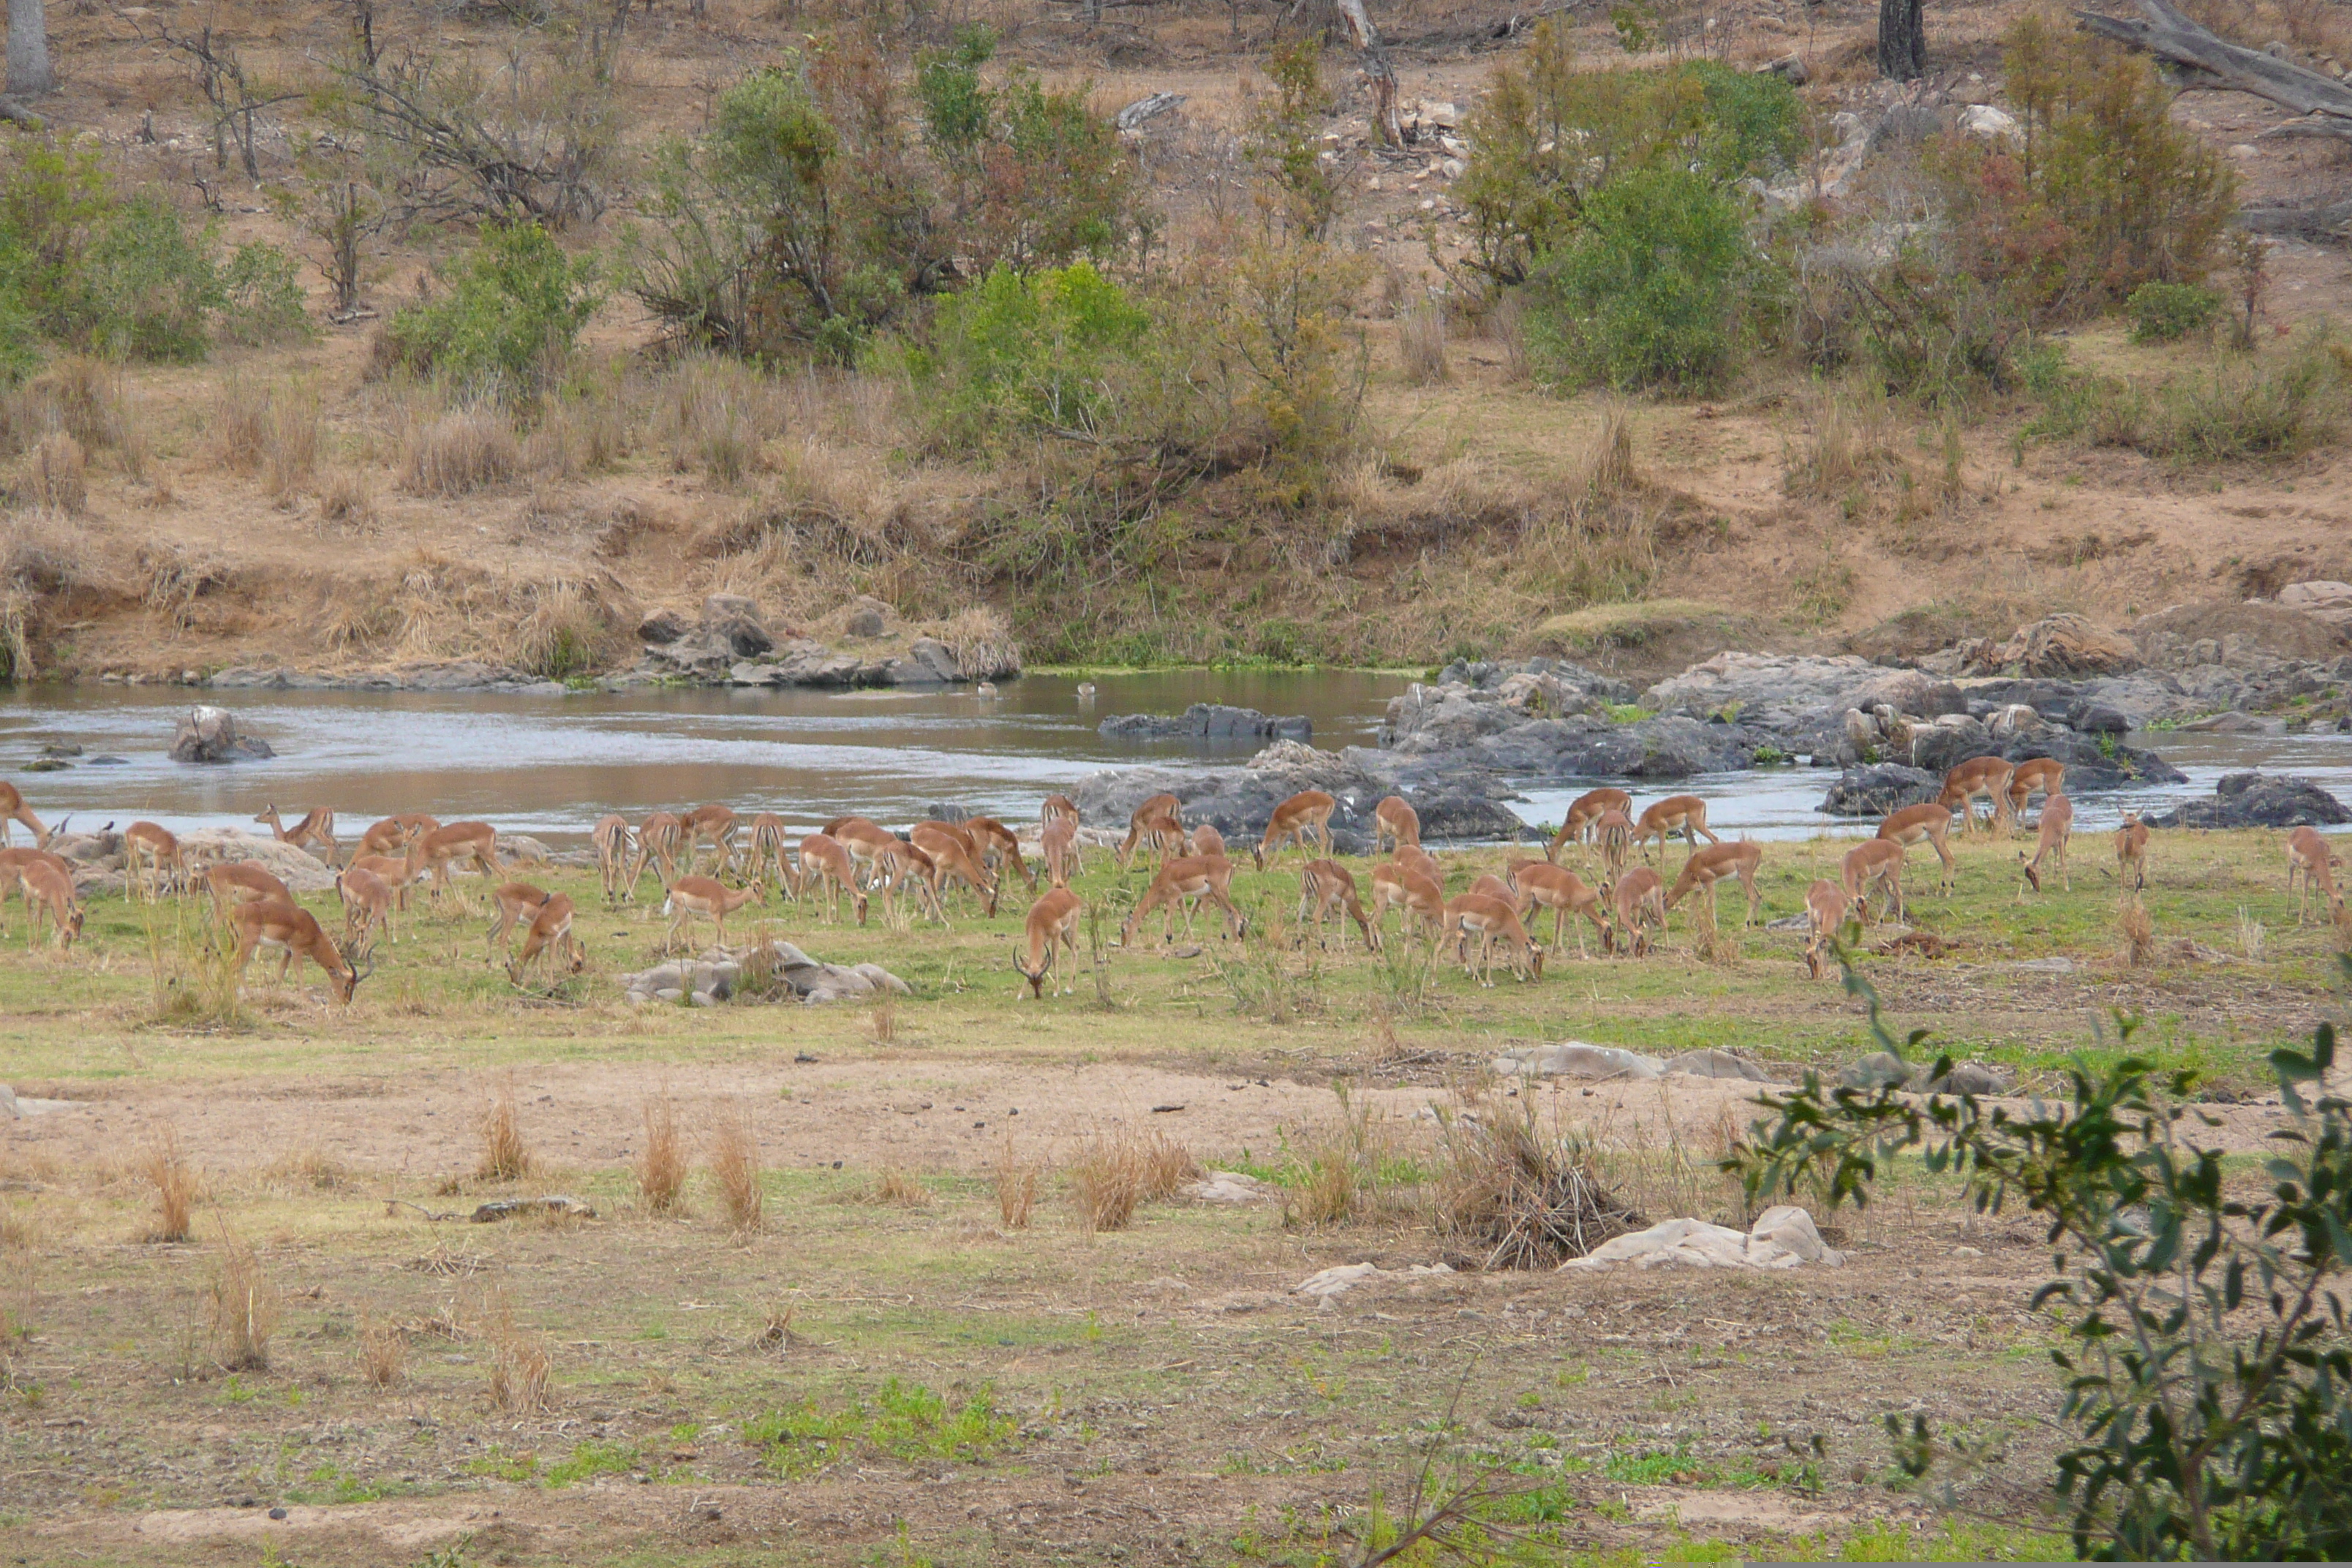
[(771, 851), (898, 863), (2049, 838), (1711, 865), (863, 838), (1539, 884), (956, 860), (1423, 862), (1614, 831), (692, 896), (999, 848), (2131, 851), (2045, 775), (49, 894), (395, 832), (1928, 823), (1204, 840), (1157, 824), (1185, 881), (1057, 842), (714, 825), (288, 927), (1491, 917), (14, 809), (393, 870), (434, 853), (1682, 814), (1636, 902), (1323, 884), (149, 849), (1876, 860), (1489, 885), (1394, 823), (367, 903), (1584, 815), (1305, 815), (2309, 856), (514, 906), (234, 882), (1419, 894), (610, 837), (14, 863), (1055, 805), (1978, 778), (826, 867), (1825, 907), (317, 826), (549, 936), (657, 845), (1051, 927)]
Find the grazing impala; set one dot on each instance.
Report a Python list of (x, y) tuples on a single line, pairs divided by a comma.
[(2131, 852), (714, 824), (1305, 816), (1051, 927), (1204, 840), (999, 848), (394, 871), (1682, 814), (394, 833), (1489, 918), (1157, 823), (317, 826), (290, 929), (148, 851), (1423, 862), (1413, 890), (434, 853), (1584, 815), (1394, 823), (658, 838), (771, 851), (1978, 778), (1539, 884), (12, 865), (2042, 775), (515, 906), (898, 863), (610, 837), (826, 868), (2050, 837), (692, 896), (956, 860), (49, 895), (1711, 865), (1825, 907), (1928, 823), (367, 903), (1614, 831), (863, 838), (1057, 842), (1636, 902), (1055, 805), (1876, 860), (2309, 857), (234, 882), (549, 936), (1324, 884), (1186, 881), (14, 809)]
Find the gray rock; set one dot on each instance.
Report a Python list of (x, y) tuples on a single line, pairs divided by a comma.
[(2091, 766), (1709, 1062), (1795, 694), (1207, 720), (936, 656), (1880, 1070), (2096, 719), (2235, 723), (1575, 1058), (210, 735), (1880, 789), (662, 627), (868, 616), (2257, 800), (1969, 1077)]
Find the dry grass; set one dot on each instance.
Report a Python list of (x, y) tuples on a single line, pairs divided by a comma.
[(270, 429), (1852, 449), (519, 1362), (2249, 937), (1508, 325), (1116, 1172), (735, 1167), (2138, 929), (1345, 1170), (1609, 465), (61, 475), (163, 1166), (899, 1189), (505, 1156), (1421, 344), (567, 630), (661, 1167), (882, 1024), (982, 640), (463, 450), (245, 1306), (1016, 1187), (383, 1353), (1520, 1197), (718, 415), (348, 501)]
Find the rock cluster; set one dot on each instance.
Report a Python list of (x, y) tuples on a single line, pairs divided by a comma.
[(2258, 800), (776, 971), (207, 734), (1782, 1238), (1210, 721), (1576, 1059), (730, 646), (1453, 802)]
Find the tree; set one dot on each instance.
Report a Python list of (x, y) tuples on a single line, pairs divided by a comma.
[(29, 49), (1901, 38)]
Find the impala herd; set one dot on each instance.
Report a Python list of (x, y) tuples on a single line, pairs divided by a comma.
[(855, 860)]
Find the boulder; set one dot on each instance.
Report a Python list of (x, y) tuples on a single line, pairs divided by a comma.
[(2323, 601), (868, 618), (1986, 124), (731, 625), (1782, 1238), (2067, 645), (662, 627), (1880, 789), (207, 734), (2094, 764), (1970, 1078), (935, 657), (2090, 718), (2258, 800), (1575, 1058), (1206, 720), (1954, 739), (1791, 694), (1708, 1062), (1225, 1187), (296, 868), (1880, 1070)]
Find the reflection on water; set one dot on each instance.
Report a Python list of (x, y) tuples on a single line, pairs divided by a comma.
[(552, 765)]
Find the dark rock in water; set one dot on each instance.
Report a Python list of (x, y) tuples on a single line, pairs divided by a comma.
[(662, 627), (2091, 765), (1882, 788), (109, 762), (2255, 800), (209, 735), (941, 811), (1455, 802), (1938, 748), (61, 748), (1207, 720), (2096, 719)]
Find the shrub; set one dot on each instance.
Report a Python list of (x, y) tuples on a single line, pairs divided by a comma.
[(1283, 140), (2167, 312), (511, 315), (147, 288), (1642, 294), (2225, 410), (1019, 356), (262, 295)]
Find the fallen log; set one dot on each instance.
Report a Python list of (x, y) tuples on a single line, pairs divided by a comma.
[(2202, 60), (2327, 222)]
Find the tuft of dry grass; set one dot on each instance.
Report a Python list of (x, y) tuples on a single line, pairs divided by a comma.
[(1609, 465), (981, 639), (1116, 1172), (505, 1156), (661, 1167), (2138, 929), (1342, 1170), (1421, 344), (1016, 1187), (2250, 936), (882, 1024), (383, 1353), (735, 1166), (717, 415), (519, 1362), (245, 1306), (1522, 1197), (61, 474), (463, 450), (348, 501), (163, 1166), (289, 448), (567, 632), (900, 1189)]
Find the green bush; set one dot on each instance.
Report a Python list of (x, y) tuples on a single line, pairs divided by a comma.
[(148, 288), (2167, 312), (1642, 294), (511, 313), (262, 294), (2228, 409), (1018, 356)]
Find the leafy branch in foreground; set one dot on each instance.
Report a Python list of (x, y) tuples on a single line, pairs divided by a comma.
[(2208, 1365)]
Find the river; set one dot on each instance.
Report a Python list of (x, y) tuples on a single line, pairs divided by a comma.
[(550, 766)]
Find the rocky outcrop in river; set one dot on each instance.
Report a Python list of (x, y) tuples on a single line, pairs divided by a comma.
[(1207, 722), (2257, 800), (1454, 803)]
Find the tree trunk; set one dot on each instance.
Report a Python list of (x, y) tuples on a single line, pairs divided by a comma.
[(2199, 60), (28, 50), (1365, 34), (1901, 38)]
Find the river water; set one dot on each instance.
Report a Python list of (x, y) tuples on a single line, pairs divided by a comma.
[(552, 766)]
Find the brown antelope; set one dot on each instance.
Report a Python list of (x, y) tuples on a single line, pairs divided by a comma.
[(1539, 884), (1204, 840), (2045, 775), (514, 906), (1490, 917), (1394, 823), (1978, 778), (2050, 837), (2131, 852), (49, 895), (1928, 823), (1057, 842), (394, 833), (771, 851), (434, 853), (610, 837), (14, 809), (1186, 881), (1711, 865), (1413, 890), (234, 882), (1055, 805), (714, 825), (692, 896), (999, 848), (1682, 814), (317, 826), (549, 936), (1876, 860), (1305, 816), (1052, 926), (1825, 907), (956, 859), (658, 838), (1490, 886), (1323, 884), (863, 838), (898, 863), (288, 927), (1636, 902), (367, 903), (828, 868), (1423, 862), (148, 851), (1614, 831), (2309, 856), (1157, 823), (393, 869), (1584, 815)]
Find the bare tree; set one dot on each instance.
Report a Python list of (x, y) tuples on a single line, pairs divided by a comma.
[(29, 49), (237, 99)]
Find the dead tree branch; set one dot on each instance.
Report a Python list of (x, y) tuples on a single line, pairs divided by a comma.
[(2199, 60)]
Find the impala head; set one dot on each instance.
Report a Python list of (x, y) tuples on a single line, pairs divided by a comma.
[(358, 965), (1037, 977), (1535, 961)]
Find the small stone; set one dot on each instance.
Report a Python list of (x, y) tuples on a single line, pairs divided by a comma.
[(278, 1513)]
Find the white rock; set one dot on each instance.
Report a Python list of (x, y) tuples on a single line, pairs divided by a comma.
[(1226, 1188), (1576, 1059), (1990, 124), (1784, 1237), (1346, 1276)]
